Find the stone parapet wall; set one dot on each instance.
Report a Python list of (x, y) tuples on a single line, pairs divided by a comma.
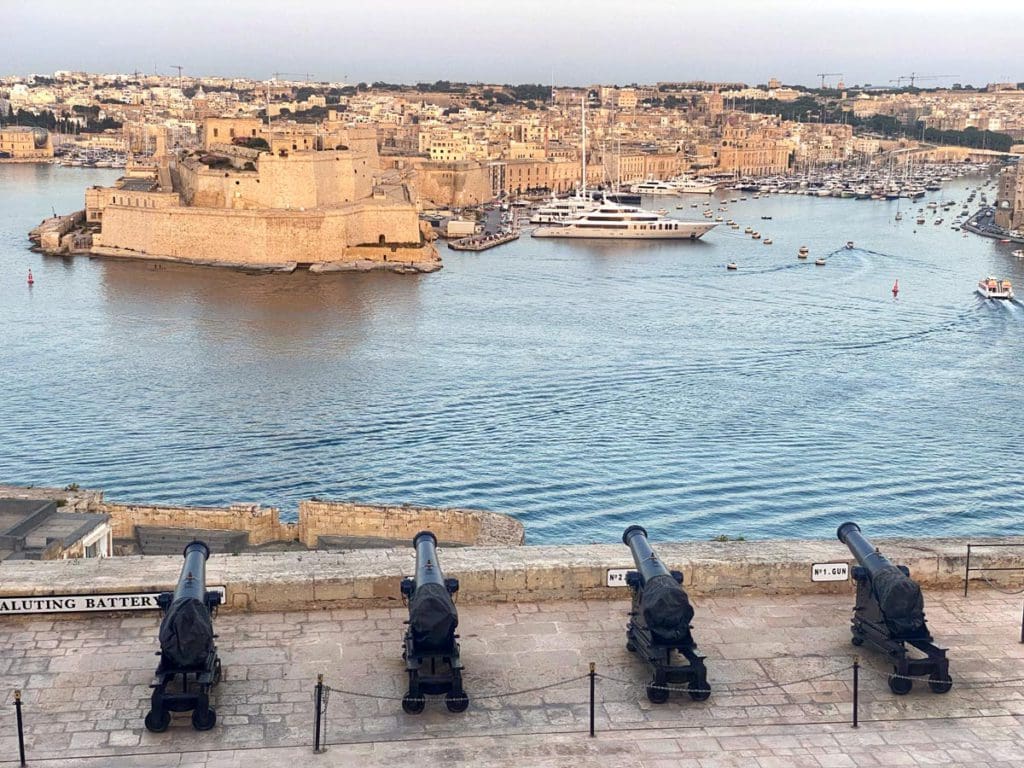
[(368, 578), (401, 523), (261, 523), (316, 518)]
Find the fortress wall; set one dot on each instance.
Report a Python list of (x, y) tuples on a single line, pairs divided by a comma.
[(398, 222), (401, 523), (452, 184), (261, 524), (370, 578), (260, 238)]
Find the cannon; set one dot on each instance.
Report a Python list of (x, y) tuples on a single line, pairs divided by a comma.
[(889, 616), (431, 646), (659, 628), (189, 666)]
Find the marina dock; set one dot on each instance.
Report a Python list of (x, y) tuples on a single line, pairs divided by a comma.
[(483, 242)]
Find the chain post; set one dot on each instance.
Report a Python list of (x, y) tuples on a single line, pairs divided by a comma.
[(592, 676), (21, 730), (318, 697), (856, 688)]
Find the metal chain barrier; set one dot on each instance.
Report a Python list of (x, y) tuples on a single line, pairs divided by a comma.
[(756, 685)]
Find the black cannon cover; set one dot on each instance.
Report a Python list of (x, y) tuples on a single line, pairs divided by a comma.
[(186, 633), (432, 617), (666, 610), (900, 599)]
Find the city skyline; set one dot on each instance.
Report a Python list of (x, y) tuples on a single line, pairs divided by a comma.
[(571, 43)]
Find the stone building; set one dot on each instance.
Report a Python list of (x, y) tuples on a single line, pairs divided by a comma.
[(23, 143), (315, 200), (1010, 199), (752, 150)]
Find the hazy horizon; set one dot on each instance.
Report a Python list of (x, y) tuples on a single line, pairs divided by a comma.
[(567, 43)]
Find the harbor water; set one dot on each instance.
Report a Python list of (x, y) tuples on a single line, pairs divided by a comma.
[(581, 386)]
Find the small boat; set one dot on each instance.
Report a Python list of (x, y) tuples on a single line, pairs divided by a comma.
[(801, 254), (1019, 253), (748, 230), (755, 235), (662, 212), (849, 245), (767, 218), (819, 262), (994, 288), (921, 220), (767, 241), (731, 266)]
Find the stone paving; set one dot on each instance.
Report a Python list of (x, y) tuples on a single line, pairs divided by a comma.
[(85, 683)]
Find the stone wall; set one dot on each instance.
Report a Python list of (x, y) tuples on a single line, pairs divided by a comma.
[(316, 518), (457, 526), (259, 238), (448, 184), (371, 578), (260, 523)]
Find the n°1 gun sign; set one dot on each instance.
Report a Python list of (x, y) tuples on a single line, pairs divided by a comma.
[(830, 572)]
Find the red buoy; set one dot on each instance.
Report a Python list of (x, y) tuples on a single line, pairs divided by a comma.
[(896, 288), (31, 279)]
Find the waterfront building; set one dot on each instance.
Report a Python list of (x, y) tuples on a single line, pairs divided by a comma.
[(24, 143), (242, 206), (752, 149), (1010, 199)]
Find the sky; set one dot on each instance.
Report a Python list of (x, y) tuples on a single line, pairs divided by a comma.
[(567, 42)]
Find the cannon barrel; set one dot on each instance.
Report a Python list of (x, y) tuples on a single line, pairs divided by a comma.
[(647, 563), (427, 569), (186, 631), (898, 596), (432, 613), (867, 555), (192, 581)]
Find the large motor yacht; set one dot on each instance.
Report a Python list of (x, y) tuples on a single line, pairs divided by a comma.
[(695, 186), (654, 187), (556, 211), (626, 222)]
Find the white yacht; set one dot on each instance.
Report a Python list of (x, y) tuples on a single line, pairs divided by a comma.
[(556, 211), (695, 186), (626, 222), (654, 187)]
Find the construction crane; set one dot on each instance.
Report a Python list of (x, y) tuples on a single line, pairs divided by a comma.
[(179, 68), (823, 75), (914, 77)]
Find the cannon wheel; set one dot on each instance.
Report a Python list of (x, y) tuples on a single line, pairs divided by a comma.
[(900, 685), (203, 719), (413, 704), (701, 691), (657, 693), (456, 701), (157, 720), (940, 683)]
